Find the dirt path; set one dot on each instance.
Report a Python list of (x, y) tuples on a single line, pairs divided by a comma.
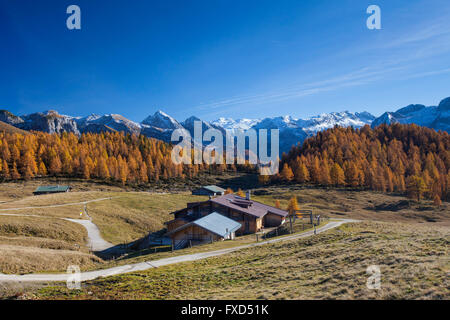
[(56, 205), (95, 240), (90, 275)]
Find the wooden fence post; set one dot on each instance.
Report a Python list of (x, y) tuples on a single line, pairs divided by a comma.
[(290, 221)]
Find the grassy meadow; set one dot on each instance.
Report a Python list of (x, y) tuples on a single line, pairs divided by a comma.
[(35, 238), (413, 260), (409, 241)]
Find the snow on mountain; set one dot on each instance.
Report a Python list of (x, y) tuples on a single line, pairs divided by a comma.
[(311, 125), (329, 120), (189, 123), (162, 121), (48, 121), (292, 131), (160, 126), (9, 118), (277, 123), (418, 114), (434, 117), (107, 122), (230, 124)]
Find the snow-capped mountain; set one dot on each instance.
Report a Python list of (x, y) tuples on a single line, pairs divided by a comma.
[(189, 123), (329, 120), (107, 122), (240, 124), (160, 126), (8, 117), (292, 130), (436, 117), (161, 120), (48, 121)]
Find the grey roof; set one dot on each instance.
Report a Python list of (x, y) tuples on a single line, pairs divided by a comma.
[(52, 189), (215, 223), (251, 207), (214, 189), (218, 224)]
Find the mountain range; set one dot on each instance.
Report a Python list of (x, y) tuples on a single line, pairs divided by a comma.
[(292, 130)]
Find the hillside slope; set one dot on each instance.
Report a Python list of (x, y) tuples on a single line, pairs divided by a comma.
[(331, 265), (10, 129), (393, 158)]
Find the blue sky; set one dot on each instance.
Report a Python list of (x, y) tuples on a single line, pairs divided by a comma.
[(222, 58)]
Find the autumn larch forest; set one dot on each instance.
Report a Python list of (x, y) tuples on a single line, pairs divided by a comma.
[(110, 156), (405, 159), (390, 158)]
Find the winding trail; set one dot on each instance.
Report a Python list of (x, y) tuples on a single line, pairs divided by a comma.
[(57, 205), (95, 240), (90, 275)]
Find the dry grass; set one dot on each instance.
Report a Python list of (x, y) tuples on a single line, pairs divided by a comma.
[(162, 252), (18, 190), (132, 215), (5, 127), (38, 242), (72, 211), (54, 199), (33, 244), (126, 217), (15, 190), (413, 261), (20, 260), (49, 228), (364, 205)]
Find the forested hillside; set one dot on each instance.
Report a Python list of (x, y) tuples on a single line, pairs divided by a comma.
[(111, 156), (395, 158), (390, 158)]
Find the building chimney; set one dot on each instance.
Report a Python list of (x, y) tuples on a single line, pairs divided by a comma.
[(247, 195)]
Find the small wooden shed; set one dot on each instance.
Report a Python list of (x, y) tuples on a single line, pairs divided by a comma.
[(51, 189)]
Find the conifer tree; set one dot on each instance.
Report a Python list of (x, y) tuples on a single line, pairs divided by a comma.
[(292, 206)]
